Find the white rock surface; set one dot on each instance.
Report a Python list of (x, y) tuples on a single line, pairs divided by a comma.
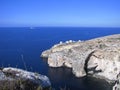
[(10, 74), (106, 63)]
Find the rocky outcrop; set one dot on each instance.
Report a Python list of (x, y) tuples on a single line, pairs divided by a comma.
[(18, 79), (98, 57), (117, 84)]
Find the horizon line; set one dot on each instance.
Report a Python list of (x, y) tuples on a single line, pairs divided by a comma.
[(60, 26)]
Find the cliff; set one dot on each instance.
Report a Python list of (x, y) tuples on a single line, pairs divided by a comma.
[(117, 83), (99, 57)]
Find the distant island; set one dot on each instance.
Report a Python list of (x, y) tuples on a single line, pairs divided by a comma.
[(99, 57)]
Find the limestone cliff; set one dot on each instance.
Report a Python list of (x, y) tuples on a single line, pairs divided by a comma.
[(117, 84), (98, 57)]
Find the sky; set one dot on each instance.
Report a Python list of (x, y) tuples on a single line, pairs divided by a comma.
[(80, 13)]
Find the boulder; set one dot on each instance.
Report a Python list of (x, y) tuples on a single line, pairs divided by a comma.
[(18, 79)]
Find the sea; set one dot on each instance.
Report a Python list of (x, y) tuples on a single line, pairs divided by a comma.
[(21, 47)]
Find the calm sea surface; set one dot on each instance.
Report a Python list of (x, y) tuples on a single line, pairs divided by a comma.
[(21, 47)]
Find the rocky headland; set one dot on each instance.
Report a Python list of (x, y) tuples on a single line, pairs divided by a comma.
[(18, 79), (99, 57)]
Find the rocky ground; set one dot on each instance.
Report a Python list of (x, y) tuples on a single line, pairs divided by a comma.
[(98, 57), (18, 79)]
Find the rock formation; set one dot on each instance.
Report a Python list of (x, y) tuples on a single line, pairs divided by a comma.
[(117, 84), (98, 57), (18, 79)]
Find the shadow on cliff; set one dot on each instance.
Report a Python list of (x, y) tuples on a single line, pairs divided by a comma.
[(90, 69)]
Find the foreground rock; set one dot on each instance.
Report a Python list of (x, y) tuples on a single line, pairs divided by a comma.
[(98, 57), (17, 79)]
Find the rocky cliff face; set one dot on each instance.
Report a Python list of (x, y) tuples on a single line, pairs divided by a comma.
[(98, 57), (105, 63), (17, 79), (117, 84)]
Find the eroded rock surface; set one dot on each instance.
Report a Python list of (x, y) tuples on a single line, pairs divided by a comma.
[(105, 63), (98, 57), (18, 79), (117, 84)]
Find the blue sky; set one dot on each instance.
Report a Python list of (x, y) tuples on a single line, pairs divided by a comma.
[(82, 13)]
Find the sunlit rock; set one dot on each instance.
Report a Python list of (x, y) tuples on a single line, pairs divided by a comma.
[(18, 79)]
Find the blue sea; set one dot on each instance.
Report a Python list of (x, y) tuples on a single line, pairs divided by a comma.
[(22, 47)]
